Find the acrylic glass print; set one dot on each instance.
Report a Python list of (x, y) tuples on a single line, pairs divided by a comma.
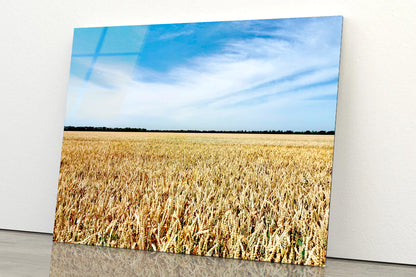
[(211, 139)]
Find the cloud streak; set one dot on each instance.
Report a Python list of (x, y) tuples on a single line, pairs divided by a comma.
[(264, 80)]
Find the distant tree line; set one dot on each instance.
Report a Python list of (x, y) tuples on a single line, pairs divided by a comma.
[(128, 129), (104, 129)]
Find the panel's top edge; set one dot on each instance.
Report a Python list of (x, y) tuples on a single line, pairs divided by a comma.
[(214, 21)]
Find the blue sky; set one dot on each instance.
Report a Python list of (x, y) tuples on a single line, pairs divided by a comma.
[(275, 74)]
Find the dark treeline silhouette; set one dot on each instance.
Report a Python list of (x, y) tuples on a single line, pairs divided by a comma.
[(128, 129)]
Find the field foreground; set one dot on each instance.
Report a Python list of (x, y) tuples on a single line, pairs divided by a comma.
[(257, 197)]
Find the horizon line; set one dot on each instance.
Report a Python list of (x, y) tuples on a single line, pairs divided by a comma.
[(135, 129)]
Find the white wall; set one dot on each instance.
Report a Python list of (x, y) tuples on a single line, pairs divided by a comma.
[(373, 205)]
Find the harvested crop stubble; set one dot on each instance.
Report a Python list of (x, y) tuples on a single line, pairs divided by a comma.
[(257, 197)]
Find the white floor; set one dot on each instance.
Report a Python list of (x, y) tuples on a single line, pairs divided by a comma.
[(31, 254)]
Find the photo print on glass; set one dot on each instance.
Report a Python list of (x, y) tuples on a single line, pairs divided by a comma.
[(212, 139)]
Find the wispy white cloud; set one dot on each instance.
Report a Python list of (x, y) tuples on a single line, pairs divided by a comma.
[(283, 69), (177, 34)]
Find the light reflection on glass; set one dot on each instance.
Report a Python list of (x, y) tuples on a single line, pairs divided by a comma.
[(82, 260)]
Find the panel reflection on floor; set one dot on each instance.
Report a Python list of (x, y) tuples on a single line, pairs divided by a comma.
[(82, 260)]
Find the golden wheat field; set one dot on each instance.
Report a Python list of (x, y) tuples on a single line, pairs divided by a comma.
[(248, 196)]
